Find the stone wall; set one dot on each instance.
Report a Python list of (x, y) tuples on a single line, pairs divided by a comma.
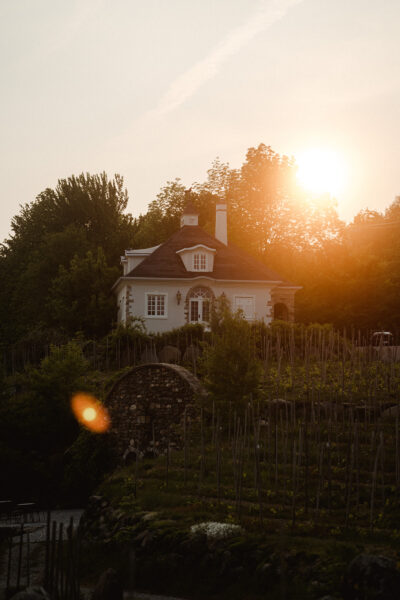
[(147, 407)]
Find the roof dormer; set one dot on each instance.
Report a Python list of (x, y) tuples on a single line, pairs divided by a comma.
[(199, 258), (190, 215)]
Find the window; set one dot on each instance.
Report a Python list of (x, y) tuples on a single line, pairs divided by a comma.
[(156, 305), (246, 304), (199, 262)]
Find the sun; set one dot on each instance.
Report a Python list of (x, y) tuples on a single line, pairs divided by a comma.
[(321, 171)]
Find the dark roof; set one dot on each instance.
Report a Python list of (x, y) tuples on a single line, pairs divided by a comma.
[(230, 262)]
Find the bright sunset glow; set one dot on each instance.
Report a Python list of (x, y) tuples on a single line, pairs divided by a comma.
[(321, 171), (90, 412)]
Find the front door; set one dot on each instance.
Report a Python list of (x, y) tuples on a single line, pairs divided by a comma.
[(199, 310)]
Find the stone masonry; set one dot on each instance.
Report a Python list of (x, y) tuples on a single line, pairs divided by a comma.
[(147, 407)]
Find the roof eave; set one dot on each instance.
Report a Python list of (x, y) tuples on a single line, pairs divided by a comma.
[(130, 278), (194, 248)]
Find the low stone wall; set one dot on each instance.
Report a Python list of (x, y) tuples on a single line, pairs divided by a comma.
[(149, 405)]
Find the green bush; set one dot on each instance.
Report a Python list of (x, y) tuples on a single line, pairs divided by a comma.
[(231, 370)]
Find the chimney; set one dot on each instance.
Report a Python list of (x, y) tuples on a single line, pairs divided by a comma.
[(221, 229), (190, 215)]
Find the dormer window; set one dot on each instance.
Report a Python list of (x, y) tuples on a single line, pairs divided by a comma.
[(199, 262), (198, 258)]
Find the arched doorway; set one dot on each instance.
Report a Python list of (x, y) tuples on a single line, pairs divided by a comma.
[(199, 301), (281, 311)]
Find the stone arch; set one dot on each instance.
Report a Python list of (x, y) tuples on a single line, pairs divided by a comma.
[(204, 297), (147, 407), (281, 311)]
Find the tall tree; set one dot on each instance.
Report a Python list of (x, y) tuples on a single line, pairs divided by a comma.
[(80, 215), (274, 211)]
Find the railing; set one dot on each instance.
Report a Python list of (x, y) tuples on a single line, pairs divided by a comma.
[(61, 550)]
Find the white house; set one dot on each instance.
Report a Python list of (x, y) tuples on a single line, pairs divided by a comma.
[(175, 283)]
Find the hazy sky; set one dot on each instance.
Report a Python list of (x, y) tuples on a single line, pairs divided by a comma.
[(157, 89)]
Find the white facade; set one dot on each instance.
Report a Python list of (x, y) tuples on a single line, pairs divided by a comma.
[(182, 298)]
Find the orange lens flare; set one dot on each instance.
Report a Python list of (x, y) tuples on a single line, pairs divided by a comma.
[(90, 412)]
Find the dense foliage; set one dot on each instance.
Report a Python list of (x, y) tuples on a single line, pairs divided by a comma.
[(62, 259)]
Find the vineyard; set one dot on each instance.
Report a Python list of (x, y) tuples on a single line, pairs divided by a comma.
[(317, 449)]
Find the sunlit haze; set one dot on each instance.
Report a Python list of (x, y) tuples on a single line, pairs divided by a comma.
[(157, 90), (321, 170)]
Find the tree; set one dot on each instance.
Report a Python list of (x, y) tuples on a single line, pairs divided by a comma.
[(354, 282), (91, 203), (80, 298), (272, 211), (80, 215), (163, 216)]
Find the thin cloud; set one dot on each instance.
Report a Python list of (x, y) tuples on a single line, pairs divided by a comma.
[(185, 86)]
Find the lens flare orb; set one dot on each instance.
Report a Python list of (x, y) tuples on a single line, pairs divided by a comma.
[(90, 412)]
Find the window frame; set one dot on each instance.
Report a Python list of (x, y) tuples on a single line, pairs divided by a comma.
[(157, 294), (200, 256)]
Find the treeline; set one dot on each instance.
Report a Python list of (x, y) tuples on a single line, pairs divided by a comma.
[(62, 257)]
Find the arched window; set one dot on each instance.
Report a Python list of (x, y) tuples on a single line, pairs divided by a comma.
[(281, 311), (199, 301)]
